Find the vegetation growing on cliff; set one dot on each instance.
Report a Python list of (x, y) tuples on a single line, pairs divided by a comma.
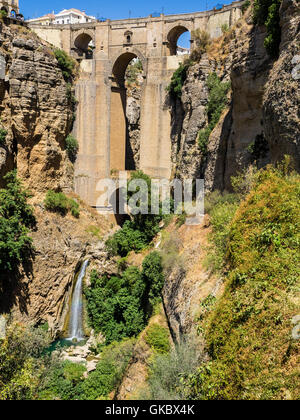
[(139, 231), (177, 81), (266, 12), (3, 134), (65, 62), (72, 147), (58, 202), (16, 220), (20, 362), (119, 306), (217, 100), (249, 331)]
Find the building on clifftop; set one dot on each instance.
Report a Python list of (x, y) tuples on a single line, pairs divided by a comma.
[(65, 17)]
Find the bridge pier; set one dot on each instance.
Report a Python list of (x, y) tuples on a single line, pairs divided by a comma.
[(100, 127)]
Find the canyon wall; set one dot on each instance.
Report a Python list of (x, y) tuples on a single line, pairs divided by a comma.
[(262, 112)]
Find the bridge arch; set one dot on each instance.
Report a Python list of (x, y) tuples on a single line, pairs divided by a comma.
[(173, 36), (84, 43), (121, 154)]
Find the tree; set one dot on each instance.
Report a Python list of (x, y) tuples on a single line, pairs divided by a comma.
[(16, 219)]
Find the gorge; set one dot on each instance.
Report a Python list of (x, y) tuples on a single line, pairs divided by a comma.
[(212, 305)]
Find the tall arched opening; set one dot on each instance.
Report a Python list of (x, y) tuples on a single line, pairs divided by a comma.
[(179, 40), (124, 147), (84, 46)]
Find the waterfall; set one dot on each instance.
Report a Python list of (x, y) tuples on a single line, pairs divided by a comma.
[(76, 318)]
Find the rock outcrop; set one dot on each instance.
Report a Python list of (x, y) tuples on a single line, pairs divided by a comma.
[(261, 123), (36, 111), (187, 282), (281, 110)]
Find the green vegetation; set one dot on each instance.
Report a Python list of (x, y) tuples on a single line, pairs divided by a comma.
[(169, 370), (248, 331), (221, 208), (65, 62), (109, 371), (138, 232), (29, 372), (266, 12), (16, 219), (177, 81), (65, 380), (20, 362), (224, 28), (217, 100), (245, 6), (3, 14), (72, 147), (119, 306), (158, 338), (58, 202), (3, 134)]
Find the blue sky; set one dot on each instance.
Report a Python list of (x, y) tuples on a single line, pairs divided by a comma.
[(117, 9)]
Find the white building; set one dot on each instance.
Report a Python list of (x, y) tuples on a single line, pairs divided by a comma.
[(72, 16), (65, 17)]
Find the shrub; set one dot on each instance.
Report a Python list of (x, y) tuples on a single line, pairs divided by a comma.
[(66, 63), (158, 338), (224, 28), (138, 232), (202, 40), (3, 134), (58, 202), (16, 218), (72, 147), (20, 366), (167, 371), (3, 13), (115, 304), (152, 274), (109, 371), (177, 81), (217, 100), (119, 306), (266, 12), (222, 208)]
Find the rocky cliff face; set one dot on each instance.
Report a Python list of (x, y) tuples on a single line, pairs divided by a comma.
[(61, 244), (187, 282), (35, 110), (261, 122), (134, 81), (281, 115)]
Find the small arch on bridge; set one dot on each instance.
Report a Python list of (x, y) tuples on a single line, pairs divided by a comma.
[(174, 36), (84, 45), (4, 9), (121, 152)]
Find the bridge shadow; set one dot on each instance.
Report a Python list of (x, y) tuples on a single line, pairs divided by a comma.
[(117, 201)]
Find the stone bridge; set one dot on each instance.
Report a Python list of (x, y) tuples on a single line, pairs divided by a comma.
[(104, 50)]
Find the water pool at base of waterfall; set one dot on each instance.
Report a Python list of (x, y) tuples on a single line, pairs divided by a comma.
[(64, 343)]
